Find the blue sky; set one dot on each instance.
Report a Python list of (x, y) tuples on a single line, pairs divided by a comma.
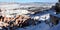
[(25, 1)]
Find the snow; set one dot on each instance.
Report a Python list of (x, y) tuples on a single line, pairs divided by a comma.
[(42, 26), (57, 27), (53, 13), (45, 17), (36, 17), (12, 13), (41, 16)]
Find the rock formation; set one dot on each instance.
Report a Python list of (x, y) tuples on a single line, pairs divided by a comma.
[(57, 7)]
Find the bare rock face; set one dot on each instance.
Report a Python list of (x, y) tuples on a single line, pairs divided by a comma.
[(54, 20), (3, 24), (18, 21), (15, 18), (57, 6)]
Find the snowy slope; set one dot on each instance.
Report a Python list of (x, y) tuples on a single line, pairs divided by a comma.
[(40, 26), (43, 25), (56, 27)]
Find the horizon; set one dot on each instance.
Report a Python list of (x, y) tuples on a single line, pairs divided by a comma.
[(27, 1)]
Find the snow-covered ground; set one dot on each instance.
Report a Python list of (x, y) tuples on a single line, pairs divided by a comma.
[(43, 25), (41, 16), (56, 27)]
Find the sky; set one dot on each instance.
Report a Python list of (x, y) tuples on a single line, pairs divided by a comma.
[(25, 1)]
